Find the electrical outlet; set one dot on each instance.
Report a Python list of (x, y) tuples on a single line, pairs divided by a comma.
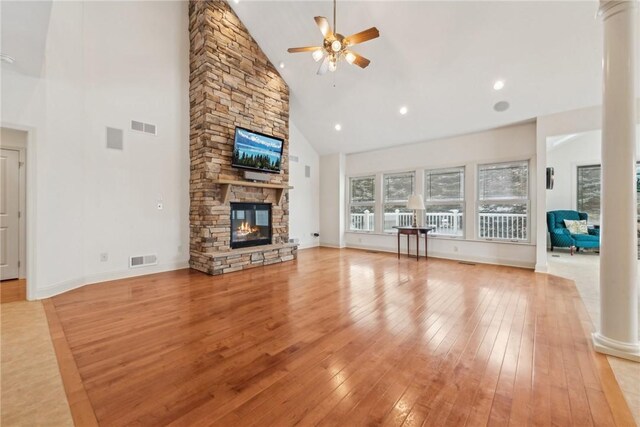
[(455, 249), (180, 249), (359, 239), (104, 257)]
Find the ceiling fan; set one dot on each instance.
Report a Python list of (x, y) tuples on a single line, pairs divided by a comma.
[(335, 46)]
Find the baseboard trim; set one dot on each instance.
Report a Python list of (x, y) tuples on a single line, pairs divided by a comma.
[(445, 255), (542, 268), (69, 285), (308, 246), (330, 245)]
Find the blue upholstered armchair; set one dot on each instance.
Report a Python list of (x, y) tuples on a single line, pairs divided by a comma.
[(560, 236)]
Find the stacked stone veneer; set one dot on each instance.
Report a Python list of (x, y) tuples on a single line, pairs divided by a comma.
[(232, 83)]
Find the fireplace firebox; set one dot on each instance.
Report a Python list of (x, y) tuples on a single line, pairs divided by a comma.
[(250, 224)]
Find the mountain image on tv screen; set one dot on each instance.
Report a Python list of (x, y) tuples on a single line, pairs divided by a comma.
[(256, 151)]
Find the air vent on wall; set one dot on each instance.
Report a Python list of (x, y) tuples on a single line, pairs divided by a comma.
[(143, 260), (144, 127), (114, 138)]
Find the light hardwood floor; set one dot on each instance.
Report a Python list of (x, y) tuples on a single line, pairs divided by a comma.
[(13, 290), (31, 390), (340, 337)]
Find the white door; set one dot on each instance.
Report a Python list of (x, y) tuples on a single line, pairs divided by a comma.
[(9, 214)]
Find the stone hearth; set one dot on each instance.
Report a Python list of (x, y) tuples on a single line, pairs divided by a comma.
[(232, 83)]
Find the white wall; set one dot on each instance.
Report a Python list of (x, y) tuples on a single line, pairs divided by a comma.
[(332, 200), (504, 144), (106, 63), (304, 199)]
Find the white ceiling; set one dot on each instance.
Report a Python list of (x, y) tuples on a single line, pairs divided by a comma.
[(24, 27), (440, 59)]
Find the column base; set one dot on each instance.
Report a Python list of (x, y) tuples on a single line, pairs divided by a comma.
[(615, 348)]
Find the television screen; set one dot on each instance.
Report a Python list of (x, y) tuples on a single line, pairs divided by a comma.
[(254, 150)]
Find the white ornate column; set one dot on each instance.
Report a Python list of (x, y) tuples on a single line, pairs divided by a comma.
[(618, 333)]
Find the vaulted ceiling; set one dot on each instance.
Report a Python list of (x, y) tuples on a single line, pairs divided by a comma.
[(440, 59), (24, 27)]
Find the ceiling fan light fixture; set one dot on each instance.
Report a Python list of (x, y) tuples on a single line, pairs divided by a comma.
[(350, 57), (336, 47), (317, 55)]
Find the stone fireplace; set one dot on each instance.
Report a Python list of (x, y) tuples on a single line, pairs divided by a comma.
[(250, 224), (232, 83)]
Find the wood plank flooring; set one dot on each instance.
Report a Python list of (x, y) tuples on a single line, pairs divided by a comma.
[(339, 337), (13, 290)]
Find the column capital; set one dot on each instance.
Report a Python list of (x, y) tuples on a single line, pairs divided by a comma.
[(608, 8)]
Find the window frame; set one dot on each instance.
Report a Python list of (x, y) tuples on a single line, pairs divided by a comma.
[(578, 167), (577, 194), (384, 202), (513, 201), (351, 203), (462, 201)]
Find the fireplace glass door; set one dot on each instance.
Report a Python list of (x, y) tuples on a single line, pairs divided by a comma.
[(250, 224)]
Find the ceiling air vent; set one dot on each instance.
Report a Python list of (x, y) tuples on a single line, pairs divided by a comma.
[(144, 127), (143, 260)]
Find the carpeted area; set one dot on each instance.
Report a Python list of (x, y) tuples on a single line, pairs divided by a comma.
[(32, 390)]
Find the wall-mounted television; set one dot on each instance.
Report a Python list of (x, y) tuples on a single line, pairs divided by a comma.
[(257, 151)]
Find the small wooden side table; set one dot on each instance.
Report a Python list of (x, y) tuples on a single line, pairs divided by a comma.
[(417, 231)]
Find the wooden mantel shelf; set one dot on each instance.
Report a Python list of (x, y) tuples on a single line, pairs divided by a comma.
[(227, 183)]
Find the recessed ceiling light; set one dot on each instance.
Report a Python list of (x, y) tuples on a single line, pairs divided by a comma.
[(236, 1), (6, 58), (338, 127), (498, 85), (501, 106), (281, 65), (404, 110)]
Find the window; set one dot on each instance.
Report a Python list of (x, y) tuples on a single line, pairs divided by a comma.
[(503, 201), (444, 200), (588, 193), (362, 203), (397, 189)]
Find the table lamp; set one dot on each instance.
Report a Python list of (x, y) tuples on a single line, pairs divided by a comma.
[(416, 203)]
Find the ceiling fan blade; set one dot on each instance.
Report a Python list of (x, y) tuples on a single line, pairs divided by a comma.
[(324, 66), (359, 60), (325, 28), (303, 49), (362, 36)]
